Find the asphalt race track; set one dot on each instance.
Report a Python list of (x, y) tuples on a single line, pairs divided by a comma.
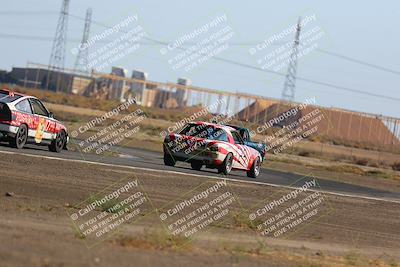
[(153, 161)]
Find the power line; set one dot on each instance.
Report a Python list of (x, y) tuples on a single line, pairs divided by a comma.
[(158, 42), (343, 88), (339, 87), (26, 37), (251, 43), (358, 61), (27, 13), (42, 38)]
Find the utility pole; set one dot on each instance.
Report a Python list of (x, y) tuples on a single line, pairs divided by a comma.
[(289, 87), (82, 58), (57, 57)]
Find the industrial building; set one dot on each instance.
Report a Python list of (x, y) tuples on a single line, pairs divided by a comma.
[(43, 78)]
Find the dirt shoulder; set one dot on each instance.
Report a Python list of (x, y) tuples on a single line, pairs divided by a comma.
[(36, 229)]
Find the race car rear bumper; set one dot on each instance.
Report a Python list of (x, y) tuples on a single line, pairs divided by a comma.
[(8, 130), (206, 157)]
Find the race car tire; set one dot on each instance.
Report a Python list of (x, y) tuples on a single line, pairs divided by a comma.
[(255, 168), (169, 160), (20, 137), (226, 165), (58, 144), (196, 165)]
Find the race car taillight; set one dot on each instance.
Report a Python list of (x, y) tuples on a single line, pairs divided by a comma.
[(169, 137), (213, 148)]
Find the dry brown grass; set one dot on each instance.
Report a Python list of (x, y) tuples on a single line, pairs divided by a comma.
[(154, 239), (106, 105)]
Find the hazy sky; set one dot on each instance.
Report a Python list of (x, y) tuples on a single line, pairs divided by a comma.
[(364, 30)]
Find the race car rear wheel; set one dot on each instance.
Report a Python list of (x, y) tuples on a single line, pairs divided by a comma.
[(58, 144), (169, 160), (226, 166), (196, 165), (255, 169), (20, 137)]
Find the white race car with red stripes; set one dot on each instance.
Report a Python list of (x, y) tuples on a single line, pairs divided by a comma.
[(213, 146), (25, 119)]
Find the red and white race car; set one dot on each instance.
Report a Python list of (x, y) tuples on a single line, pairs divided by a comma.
[(215, 146), (24, 119)]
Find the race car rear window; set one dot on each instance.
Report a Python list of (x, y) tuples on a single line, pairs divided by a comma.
[(204, 131), (197, 130)]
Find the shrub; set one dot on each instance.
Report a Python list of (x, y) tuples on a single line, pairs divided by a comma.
[(361, 161), (396, 166), (304, 153)]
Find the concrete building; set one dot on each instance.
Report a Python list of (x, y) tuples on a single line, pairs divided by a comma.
[(138, 88), (118, 87), (181, 94), (42, 78)]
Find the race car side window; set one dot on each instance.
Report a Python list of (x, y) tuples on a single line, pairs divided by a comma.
[(24, 106), (237, 138), (38, 108), (220, 135)]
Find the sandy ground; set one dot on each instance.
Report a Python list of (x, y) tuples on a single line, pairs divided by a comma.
[(35, 228)]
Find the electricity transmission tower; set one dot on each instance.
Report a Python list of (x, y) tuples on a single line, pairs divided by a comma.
[(83, 50), (57, 58), (290, 80)]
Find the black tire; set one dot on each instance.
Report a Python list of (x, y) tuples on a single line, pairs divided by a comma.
[(169, 160), (20, 137), (255, 169), (58, 144), (226, 166), (196, 165)]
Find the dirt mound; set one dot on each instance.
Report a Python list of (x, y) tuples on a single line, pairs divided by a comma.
[(336, 124)]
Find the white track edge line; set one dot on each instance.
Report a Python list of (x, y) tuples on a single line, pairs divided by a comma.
[(198, 175)]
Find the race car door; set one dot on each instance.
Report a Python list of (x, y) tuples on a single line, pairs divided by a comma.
[(241, 158), (25, 115), (44, 125)]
